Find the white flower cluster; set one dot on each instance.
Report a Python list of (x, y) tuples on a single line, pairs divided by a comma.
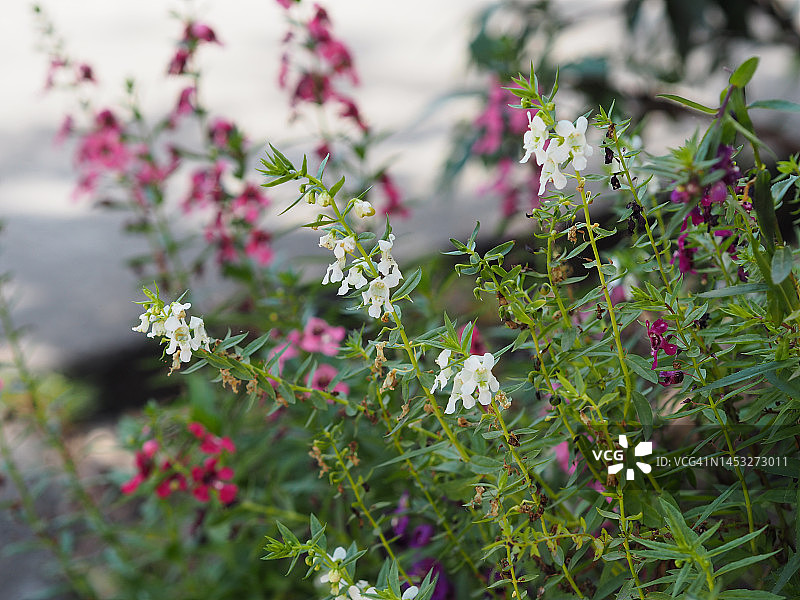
[(475, 376), (568, 144), (170, 322), (361, 590), (378, 290)]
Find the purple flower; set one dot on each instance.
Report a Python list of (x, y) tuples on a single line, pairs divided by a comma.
[(658, 342), (444, 589), (421, 536), (684, 255), (667, 378)]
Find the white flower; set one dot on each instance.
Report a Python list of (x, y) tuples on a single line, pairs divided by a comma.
[(410, 593), (200, 338), (346, 245), (179, 336), (334, 272), (334, 576), (355, 591), (145, 323), (325, 199), (550, 167), (362, 208), (386, 263), (327, 241), (377, 297), (475, 376), (355, 279), (534, 139), (444, 374), (574, 143)]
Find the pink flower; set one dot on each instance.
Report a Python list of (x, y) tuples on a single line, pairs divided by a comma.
[(258, 247), (562, 457), (476, 346), (319, 25), (318, 336), (200, 32), (209, 477), (250, 203), (177, 66), (323, 376), (350, 111), (144, 466), (103, 150), (285, 3), (186, 101), (313, 87), (684, 255), (174, 481), (336, 54), (85, 73), (220, 132)]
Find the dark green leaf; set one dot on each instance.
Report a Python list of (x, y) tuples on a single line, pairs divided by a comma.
[(781, 264)]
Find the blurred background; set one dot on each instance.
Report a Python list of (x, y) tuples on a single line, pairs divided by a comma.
[(426, 72)]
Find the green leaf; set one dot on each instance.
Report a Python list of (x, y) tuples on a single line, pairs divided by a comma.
[(690, 103), (500, 250), (255, 345), (749, 595), (642, 368), (746, 374), (786, 573), (735, 290), (744, 72), (414, 453), (336, 187), (738, 564), (735, 543), (781, 264), (227, 343), (784, 105), (645, 412), (195, 367), (408, 285)]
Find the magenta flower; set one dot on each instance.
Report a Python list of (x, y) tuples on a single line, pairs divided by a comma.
[(103, 150), (250, 203), (318, 336), (258, 247), (668, 378), (173, 482), (658, 342), (209, 478), (177, 66), (144, 466), (210, 443), (186, 101), (324, 374), (200, 32), (313, 87), (684, 255)]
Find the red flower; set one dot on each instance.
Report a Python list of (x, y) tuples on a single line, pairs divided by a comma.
[(658, 342), (209, 477), (144, 466)]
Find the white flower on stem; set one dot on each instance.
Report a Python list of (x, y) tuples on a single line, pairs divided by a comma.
[(358, 591), (410, 593), (355, 279), (444, 373), (534, 139), (377, 297), (574, 143), (334, 273), (386, 263), (476, 375), (344, 246), (324, 199), (362, 208), (550, 167), (334, 576), (200, 338), (327, 241)]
